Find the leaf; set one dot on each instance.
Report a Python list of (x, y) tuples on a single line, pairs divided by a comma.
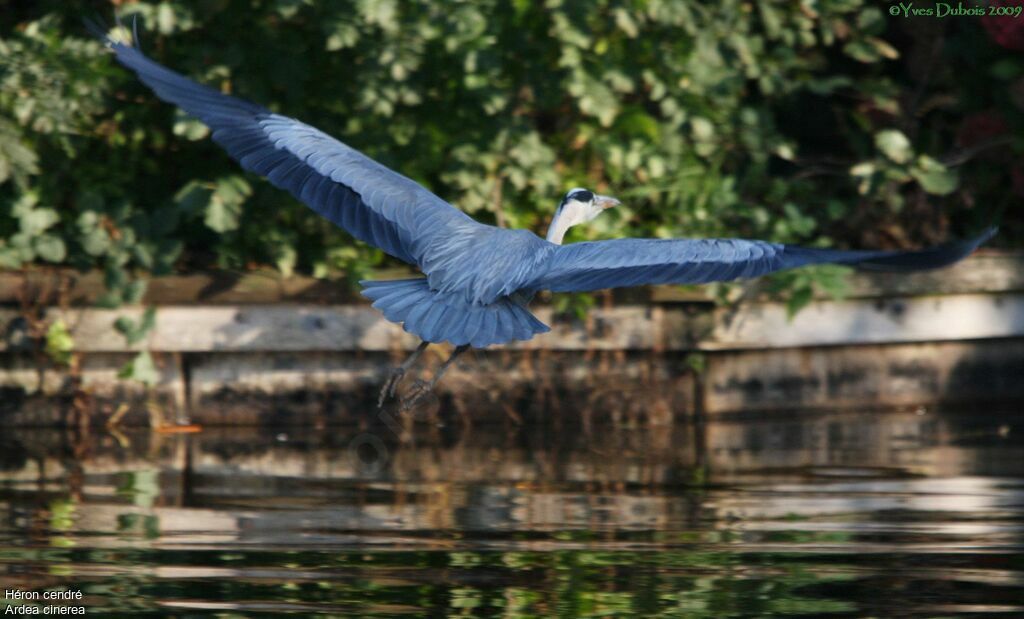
[(96, 242), (165, 18), (141, 369), (871, 20), (135, 332), (167, 253), (383, 13), (36, 220), (225, 206), (828, 85), (832, 280), (289, 8), (696, 361), (193, 197), (894, 145), (595, 98), (798, 299), (341, 34), (50, 248), (134, 292), (188, 127), (883, 48), (232, 189), (222, 216), (862, 51), (285, 259), (115, 277), (703, 130), (934, 177), (10, 258), (143, 254), (59, 343), (125, 326), (864, 168), (17, 160)]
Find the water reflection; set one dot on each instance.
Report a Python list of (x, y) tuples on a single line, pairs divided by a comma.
[(841, 514)]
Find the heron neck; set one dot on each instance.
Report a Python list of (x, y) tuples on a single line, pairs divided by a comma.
[(560, 224)]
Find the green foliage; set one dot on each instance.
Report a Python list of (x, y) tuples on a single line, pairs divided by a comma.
[(134, 332), (696, 361), (801, 286), (140, 369), (59, 343), (574, 305), (826, 122)]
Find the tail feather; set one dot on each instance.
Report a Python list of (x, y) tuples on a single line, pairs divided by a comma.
[(438, 317), (473, 325)]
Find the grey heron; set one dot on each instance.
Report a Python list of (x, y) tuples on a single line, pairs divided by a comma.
[(479, 279)]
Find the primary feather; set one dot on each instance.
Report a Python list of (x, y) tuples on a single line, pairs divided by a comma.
[(370, 201), (618, 263)]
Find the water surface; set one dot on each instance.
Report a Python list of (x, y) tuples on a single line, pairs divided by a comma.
[(847, 515)]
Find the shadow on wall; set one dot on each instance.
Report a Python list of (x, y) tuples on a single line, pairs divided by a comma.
[(485, 387)]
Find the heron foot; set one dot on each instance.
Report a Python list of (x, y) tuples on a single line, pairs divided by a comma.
[(396, 375), (420, 391), (390, 385)]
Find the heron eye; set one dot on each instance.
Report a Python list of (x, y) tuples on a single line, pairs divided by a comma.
[(582, 196)]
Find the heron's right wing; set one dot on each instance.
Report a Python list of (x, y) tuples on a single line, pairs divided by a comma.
[(596, 265), (368, 200)]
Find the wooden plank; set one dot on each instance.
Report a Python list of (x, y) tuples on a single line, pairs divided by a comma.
[(210, 288), (921, 319), (36, 394), (886, 375), (256, 328), (312, 328)]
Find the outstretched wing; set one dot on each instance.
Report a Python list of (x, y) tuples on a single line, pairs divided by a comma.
[(368, 200), (632, 262)]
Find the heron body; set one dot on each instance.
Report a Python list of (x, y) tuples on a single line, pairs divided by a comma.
[(478, 278)]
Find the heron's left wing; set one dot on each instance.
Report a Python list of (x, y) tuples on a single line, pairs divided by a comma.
[(619, 263), (371, 202)]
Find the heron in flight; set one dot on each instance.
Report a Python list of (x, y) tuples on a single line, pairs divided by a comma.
[(479, 279)]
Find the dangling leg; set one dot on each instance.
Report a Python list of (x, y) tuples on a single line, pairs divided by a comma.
[(396, 375), (423, 389)]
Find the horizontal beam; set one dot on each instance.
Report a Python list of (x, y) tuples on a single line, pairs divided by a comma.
[(982, 273), (824, 323), (304, 327)]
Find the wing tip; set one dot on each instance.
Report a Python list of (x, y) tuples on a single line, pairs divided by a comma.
[(98, 28)]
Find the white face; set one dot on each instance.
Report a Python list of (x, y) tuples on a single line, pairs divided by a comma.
[(582, 205), (578, 206)]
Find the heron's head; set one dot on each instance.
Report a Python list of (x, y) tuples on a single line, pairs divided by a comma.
[(578, 206)]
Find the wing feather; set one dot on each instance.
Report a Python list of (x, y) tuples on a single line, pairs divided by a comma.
[(630, 262), (370, 201)]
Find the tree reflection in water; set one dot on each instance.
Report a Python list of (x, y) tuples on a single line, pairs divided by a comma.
[(847, 514)]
